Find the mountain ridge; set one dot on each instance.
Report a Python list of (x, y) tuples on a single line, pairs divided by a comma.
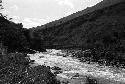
[(52, 35), (100, 5)]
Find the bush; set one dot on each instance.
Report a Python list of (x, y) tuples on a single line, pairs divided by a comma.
[(17, 70)]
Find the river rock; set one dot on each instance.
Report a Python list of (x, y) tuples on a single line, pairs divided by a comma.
[(56, 68)]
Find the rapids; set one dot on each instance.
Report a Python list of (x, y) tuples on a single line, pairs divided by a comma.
[(70, 66)]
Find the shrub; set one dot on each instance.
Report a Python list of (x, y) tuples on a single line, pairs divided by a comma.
[(17, 71)]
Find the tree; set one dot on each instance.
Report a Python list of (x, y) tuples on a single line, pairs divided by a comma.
[(1, 7)]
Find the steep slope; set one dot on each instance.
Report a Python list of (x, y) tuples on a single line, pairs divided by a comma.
[(15, 37), (102, 4), (12, 35), (87, 29)]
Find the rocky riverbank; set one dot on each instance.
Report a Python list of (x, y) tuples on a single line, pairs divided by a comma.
[(71, 66)]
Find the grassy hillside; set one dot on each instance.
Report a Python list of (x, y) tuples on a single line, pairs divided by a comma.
[(102, 31)]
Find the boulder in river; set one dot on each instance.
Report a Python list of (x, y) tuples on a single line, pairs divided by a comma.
[(56, 68), (91, 80)]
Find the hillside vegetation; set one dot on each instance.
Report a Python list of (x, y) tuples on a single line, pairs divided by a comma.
[(15, 37), (86, 29), (14, 63)]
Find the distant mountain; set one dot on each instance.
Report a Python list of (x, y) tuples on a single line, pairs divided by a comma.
[(86, 29)]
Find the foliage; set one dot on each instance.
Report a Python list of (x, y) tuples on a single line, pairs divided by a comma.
[(15, 37), (12, 35), (1, 6), (16, 70)]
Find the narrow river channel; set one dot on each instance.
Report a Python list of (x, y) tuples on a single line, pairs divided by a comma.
[(71, 66)]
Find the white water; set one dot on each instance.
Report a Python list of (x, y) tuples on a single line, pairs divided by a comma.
[(72, 65)]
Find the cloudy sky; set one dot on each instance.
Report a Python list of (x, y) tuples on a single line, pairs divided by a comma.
[(34, 13)]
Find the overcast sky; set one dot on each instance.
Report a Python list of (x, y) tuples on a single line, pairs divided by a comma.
[(34, 13)]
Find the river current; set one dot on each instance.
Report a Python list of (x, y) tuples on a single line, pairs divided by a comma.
[(71, 65)]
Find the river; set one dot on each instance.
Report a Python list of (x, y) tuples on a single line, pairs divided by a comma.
[(71, 66)]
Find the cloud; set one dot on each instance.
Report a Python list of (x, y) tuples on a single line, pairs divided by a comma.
[(90, 3), (14, 8), (29, 22), (33, 22), (16, 17), (68, 13), (5, 11), (66, 2)]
